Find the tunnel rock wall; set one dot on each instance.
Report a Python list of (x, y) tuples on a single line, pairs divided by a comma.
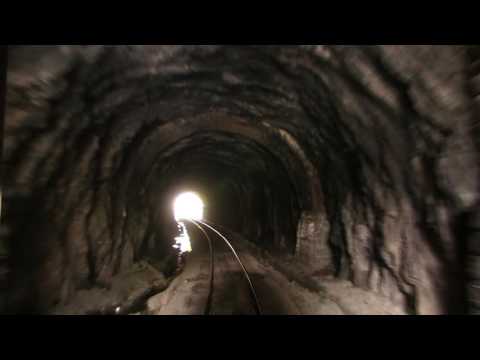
[(375, 141), (406, 228), (469, 222)]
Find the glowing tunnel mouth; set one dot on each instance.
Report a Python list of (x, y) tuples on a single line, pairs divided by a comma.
[(187, 206)]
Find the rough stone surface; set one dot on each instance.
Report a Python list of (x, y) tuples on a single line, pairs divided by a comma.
[(128, 292), (377, 139), (312, 243)]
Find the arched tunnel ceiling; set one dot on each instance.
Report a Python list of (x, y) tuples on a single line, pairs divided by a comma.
[(371, 138), (256, 176)]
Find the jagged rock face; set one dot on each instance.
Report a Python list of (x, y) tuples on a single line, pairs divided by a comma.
[(373, 141)]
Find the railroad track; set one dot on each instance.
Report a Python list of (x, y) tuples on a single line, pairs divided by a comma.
[(204, 227)]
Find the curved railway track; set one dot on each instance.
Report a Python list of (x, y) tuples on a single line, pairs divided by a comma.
[(210, 226)]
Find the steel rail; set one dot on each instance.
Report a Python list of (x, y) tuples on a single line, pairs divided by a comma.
[(245, 272), (208, 306)]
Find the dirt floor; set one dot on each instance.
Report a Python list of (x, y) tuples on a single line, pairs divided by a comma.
[(280, 283), (279, 292)]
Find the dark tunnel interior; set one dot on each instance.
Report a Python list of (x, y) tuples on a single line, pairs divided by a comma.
[(338, 172)]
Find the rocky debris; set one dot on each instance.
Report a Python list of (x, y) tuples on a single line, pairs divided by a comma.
[(127, 294), (157, 302), (355, 301)]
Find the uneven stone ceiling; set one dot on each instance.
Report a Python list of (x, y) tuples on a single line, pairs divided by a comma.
[(372, 141)]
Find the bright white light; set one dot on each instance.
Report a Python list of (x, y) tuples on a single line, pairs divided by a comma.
[(188, 206), (182, 242)]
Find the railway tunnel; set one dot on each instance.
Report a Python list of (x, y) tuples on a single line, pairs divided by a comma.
[(345, 176)]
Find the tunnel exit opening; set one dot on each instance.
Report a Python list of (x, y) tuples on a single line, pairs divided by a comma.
[(187, 206)]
